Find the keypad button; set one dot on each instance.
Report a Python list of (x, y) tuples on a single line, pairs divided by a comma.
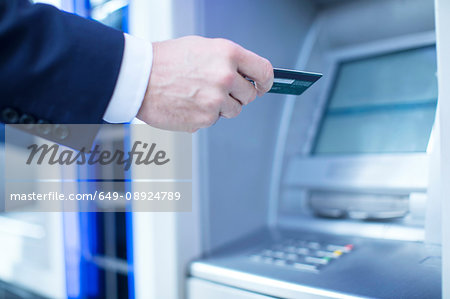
[(337, 253), (256, 257), (314, 245), (307, 267), (291, 248), (279, 254), (267, 260), (291, 256), (301, 254), (322, 253), (316, 260), (279, 262), (303, 251)]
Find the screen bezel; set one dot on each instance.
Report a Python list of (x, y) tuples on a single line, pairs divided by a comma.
[(332, 87), (335, 58), (347, 168)]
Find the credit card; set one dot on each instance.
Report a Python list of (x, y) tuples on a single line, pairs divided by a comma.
[(292, 82)]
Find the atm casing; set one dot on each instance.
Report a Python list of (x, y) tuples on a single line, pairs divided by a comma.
[(259, 173)]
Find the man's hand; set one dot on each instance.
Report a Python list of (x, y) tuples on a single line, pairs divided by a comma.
[(195, 80)]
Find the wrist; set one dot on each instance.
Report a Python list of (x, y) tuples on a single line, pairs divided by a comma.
[(132, 81)]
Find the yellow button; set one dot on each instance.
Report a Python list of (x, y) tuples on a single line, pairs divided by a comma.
[(337, 252)]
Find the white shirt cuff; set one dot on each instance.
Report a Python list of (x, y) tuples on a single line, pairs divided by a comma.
[(132, 81)]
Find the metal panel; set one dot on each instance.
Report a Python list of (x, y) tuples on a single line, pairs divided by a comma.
[(202, 289), (374, 269), (369, 173), (159, 260), (443, 46)]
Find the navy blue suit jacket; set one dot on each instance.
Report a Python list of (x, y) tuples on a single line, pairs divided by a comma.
[(55, 67)]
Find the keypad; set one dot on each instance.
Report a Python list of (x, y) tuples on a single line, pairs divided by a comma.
[(301, 254)]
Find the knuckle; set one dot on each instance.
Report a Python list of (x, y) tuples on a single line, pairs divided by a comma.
[(226, 79), (228, 49), (216, 103), (236, 111), (193, 130), (236, 114), (225, 115), (206, 120), (212, 104), (252, 95), (268, 70), (209, 120)]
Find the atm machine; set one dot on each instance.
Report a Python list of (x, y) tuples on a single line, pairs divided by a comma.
[(333, 194)]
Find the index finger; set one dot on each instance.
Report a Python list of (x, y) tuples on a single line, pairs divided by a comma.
[(257, 68)]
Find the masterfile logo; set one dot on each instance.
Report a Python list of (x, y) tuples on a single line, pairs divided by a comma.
[(140, 153), (124, 165)]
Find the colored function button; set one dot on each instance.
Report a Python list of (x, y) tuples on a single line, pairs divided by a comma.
[(302, 255), (337, 247), (337, 253)]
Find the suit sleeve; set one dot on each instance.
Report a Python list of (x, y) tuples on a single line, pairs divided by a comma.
[(54, 66)]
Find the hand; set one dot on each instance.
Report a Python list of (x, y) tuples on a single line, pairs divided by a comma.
[(195, 80)]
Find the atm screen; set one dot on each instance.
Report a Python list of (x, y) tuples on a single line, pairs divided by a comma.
[(381, 104)]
